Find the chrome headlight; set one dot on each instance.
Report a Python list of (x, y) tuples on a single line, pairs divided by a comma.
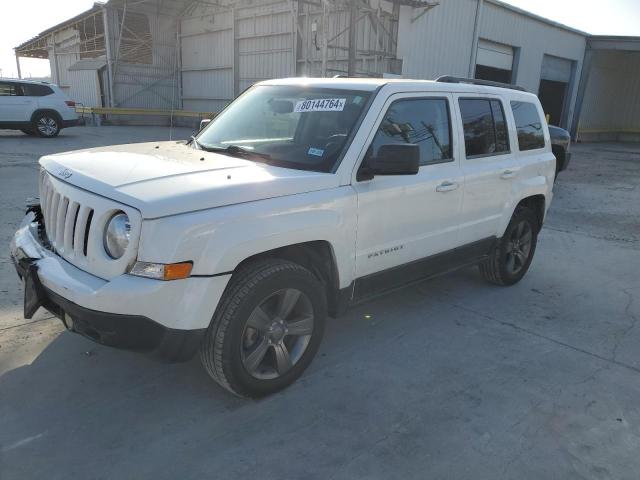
[(117, 235)]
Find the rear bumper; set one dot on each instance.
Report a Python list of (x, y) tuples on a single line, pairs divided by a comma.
[(165, 319), (70, 123)]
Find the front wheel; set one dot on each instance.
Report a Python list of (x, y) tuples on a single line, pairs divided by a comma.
[(512, 256), (267, 328)]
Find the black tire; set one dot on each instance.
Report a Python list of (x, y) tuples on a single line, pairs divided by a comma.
[(497, 269), (47, 125), (223, 348), (27, 131)]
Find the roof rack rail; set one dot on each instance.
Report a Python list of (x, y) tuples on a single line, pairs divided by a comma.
[(475, 81)]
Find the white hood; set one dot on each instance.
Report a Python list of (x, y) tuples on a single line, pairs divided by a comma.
[(168, 178)]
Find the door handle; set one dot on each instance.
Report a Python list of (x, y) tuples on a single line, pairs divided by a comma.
[(507, 174), (446, 187)]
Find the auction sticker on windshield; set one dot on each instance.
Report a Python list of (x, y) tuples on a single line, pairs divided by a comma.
[(320, 105)]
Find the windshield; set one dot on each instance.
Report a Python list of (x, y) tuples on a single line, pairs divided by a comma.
[(291, 126)]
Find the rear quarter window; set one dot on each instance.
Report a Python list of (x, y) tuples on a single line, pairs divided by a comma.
[(528, 125), (34, 90)]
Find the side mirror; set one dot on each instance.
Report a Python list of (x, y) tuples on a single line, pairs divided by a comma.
[(203, 123), (394, 159)]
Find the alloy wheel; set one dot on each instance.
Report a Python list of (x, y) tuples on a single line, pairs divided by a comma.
[(519, 247), (277, 334), (47, 126)]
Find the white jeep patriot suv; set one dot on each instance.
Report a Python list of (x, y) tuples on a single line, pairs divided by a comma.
[(302, 197)]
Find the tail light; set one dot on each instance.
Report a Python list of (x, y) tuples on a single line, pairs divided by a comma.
[(70, 103)]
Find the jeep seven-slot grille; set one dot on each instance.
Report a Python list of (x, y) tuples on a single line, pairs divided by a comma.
[(67, 223)]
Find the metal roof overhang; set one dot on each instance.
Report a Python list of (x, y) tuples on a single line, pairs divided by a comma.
[(608, 42), (37, 46)]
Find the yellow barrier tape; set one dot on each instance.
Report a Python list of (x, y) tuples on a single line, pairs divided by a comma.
[(142, 111)]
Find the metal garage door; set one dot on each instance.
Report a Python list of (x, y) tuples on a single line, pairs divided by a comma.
[(555, 88), (556, 69), (496, 55), (494, 61)]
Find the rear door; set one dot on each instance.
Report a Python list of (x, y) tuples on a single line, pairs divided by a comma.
[(489, 165), (40, 96), (409, 217), (14, 106)]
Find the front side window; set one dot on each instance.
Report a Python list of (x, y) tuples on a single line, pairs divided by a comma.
[(485, 128), (8, 89), (300, 127), (528, 126), (422, 122)]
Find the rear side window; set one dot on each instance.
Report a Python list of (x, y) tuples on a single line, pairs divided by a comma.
[(528, 125), (9, 90), (423, 122), (485, 128), (35, 90)]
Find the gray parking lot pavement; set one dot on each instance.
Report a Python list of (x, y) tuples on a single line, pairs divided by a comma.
[(450, 378)]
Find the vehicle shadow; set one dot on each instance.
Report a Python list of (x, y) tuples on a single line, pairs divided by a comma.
[(84, 403), (80, 410)]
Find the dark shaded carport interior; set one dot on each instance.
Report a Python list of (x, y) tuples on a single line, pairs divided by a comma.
[(608, 103)]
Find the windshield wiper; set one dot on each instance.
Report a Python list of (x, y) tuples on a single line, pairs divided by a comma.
[(235, 151), (195, 142)]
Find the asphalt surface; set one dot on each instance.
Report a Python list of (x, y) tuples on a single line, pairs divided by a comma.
[(449, 379)]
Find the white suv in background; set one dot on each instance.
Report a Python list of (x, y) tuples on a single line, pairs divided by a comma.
[(35, 108), (304, 196)]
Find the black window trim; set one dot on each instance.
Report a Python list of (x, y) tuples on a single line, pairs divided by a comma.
[(506, 124), (544, 140), (17, 86), (451, 136)]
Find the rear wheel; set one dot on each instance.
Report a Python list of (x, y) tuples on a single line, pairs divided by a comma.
[(267, 329), (512, 256), (46, 125)]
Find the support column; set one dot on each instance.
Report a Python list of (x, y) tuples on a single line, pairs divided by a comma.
[(474, 42), (236, 55), (582, 88), (323, 70), (18, 65), (107, 45), (56, 71), (353, 17)]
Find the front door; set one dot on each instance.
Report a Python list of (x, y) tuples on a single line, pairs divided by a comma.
[(14, 107), (409, 217)]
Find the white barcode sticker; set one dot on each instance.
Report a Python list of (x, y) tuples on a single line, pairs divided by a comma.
[(320, 105)]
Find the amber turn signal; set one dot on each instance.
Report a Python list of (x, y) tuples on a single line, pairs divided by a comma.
[(161, 271), (176, 271)]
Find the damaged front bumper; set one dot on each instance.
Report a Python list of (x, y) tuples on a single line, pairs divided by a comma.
[(45, 275)]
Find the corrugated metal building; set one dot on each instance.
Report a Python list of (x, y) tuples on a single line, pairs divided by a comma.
[(114, 55), (198, 55), (495, 41), (226, 49)]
